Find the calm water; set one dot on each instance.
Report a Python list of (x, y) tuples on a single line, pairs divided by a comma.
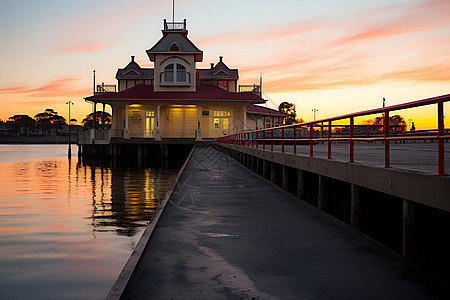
[(67, 229)]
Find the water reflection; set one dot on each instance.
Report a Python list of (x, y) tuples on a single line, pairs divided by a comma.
[(68, 227)]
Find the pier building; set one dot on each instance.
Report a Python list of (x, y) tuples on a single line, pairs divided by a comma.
[(175, 100)]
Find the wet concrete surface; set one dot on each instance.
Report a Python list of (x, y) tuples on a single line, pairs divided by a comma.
[(419, 157), (230, 234)]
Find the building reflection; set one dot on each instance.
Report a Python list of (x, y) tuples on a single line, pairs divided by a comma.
[(123, 199)]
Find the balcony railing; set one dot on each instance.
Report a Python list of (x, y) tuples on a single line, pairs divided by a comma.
[(106, 88), (174, 25), (253, 88)]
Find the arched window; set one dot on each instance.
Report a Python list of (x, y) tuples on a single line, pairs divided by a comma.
[(174, 47), (176, 73), (168, 73), (181, 73)]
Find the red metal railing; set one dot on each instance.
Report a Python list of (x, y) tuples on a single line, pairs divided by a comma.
[(257, 137)]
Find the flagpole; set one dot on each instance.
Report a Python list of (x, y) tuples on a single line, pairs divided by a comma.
[(173, 11)]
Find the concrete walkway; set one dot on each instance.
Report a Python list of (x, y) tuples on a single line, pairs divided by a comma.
[(226, 233)]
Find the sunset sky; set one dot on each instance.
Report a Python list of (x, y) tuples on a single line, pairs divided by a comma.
[(336, 56)]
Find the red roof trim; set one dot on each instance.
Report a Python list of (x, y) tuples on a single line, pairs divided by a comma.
[(264, 110), (203, 93)]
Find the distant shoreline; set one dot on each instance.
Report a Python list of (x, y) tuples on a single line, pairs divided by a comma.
[(36, 140)]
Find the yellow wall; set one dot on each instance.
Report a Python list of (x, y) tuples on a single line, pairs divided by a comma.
[(180, 121)]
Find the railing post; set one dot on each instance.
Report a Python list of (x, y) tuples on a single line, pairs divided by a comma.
[(387, 163), (257, 139), (282, 140), (329, 140), (264, 140), (295, 139), (253, 139), (311, 142), (441, 156), (321, 131), (352, 148), (271, 140)]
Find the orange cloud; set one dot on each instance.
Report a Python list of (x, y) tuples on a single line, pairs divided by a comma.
[(56, 88), (430, 15)]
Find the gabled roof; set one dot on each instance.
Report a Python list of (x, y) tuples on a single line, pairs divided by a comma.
[(184, 44), (255, 109), (219, 72), (134, 71), (203, 93)]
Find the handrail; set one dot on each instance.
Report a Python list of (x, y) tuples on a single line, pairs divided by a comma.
[(253, 138)]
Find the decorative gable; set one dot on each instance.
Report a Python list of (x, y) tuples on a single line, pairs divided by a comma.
[(131, 72), (221, 73)]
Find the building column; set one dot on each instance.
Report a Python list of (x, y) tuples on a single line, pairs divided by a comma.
[(94, 117), (103, 117), (245, 118), (158, 118), (198, 135), (126, 133)]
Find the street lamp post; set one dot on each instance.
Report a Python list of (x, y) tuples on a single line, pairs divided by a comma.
[(69, 154), (315, 110)]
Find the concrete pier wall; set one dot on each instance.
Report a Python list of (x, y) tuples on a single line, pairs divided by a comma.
[(407, 212), (134, 154)]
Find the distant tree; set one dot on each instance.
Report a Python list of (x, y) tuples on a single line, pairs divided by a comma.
[(22, 124), (107, 119), (299, 120), (50, 116), (48, 120), (397, 122), (289, 109)]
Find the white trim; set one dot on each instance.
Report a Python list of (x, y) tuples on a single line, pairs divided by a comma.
[(132, 70)]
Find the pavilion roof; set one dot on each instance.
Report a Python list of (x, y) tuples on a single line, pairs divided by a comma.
[(203, 93)]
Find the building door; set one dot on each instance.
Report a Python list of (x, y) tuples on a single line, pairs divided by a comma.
[(149, 124), (182, 121), (220, 124)]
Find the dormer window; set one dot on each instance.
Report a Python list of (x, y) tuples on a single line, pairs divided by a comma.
[(174, 47), (168, 73), (181, 73), (175, 73)]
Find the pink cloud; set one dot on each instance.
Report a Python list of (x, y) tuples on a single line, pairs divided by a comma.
[(220, 39), (410, 19), (92, 47), (62, 87), (287, 31)]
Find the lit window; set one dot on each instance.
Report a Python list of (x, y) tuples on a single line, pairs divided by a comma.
[(225, 124), (222, 113), (217, 123)]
